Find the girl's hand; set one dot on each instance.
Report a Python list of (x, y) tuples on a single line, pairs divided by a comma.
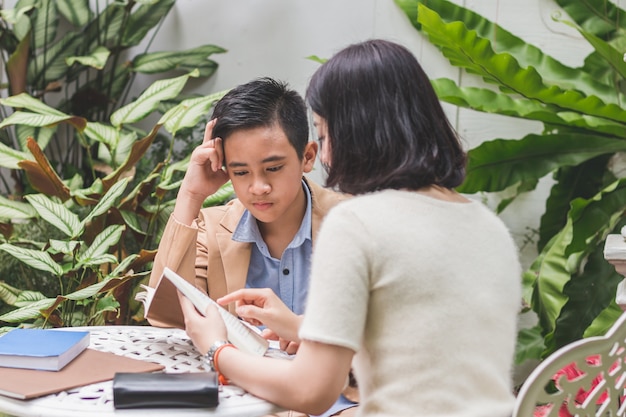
[(261, 306), (287, 345), (202, 330)]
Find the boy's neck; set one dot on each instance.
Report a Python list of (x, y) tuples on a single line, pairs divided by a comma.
[(278, 234)]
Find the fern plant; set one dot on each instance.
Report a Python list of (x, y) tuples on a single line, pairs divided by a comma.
[(569, 286)]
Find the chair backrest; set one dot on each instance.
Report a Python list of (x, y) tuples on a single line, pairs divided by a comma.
[(584, 378)]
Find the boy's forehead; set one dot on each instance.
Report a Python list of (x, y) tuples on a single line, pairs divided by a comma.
[(258, 145)]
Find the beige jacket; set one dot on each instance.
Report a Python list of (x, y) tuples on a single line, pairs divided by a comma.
[(207, 256)]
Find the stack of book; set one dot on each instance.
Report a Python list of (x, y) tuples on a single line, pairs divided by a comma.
[(37, 362)]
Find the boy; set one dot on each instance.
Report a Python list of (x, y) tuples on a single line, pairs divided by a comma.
[(257, 138), (263, 239)]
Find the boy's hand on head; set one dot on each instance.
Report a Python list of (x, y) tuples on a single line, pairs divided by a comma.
[(204, 176)]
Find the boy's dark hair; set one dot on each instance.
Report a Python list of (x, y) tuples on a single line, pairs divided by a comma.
[(262, 103), (387, 128)]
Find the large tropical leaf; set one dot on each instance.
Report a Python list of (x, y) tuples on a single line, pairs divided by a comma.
[(150, 99), (105, 28), (56, 214), (77, 12), (107, 201), (10, 158), (580, 181), (10, 209), (96, 253), (29, 312), (158, 62), (189, 112), (141, 21), (502, 40), (97, 59), (559, 265), (500, 163), (49, 65), (8, 294), (464, 48), (489, 101), (44, 23), (34, 258), (599, 17)]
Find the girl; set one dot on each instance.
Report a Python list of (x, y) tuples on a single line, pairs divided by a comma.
[(412, 284)]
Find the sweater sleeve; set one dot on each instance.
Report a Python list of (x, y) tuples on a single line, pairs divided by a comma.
[(340, 280)]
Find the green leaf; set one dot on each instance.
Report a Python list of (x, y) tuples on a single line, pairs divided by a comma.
[(559, 263), (42, 134), (77, 12), (64, 246), (107, 201), (25, 101), (10, 158), (56, 214), (498, 164), (36, 259), (33, 119), (599, 17), (502, 40), (131, 219), (189, 112), (44, 23), (489, 101), (614, 57), (102, 133), (143, 20), (159, 62), (100, 246), (30, 312), (10, 209), (225, 192), (149, 99), (97, 59), (529, 345), (8, 294), (50, 64), (588, 294), (123, 266), (583, 180), (25, 298), (604, 321), (458, 44), (100, 260)]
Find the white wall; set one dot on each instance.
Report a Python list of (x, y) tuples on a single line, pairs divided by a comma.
[(274, 37)]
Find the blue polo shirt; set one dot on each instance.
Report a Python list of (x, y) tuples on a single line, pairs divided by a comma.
[(288, 276)]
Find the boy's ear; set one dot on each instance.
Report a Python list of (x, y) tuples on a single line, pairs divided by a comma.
[(308, 156)]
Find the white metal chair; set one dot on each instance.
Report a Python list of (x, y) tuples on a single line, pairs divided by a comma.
[(586, 377)]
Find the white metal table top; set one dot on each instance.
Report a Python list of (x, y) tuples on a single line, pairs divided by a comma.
[(168, 347)]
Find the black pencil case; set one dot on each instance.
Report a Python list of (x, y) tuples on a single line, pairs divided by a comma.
[(159, 390)]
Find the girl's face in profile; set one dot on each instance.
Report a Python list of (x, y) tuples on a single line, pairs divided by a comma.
[(321, 128)]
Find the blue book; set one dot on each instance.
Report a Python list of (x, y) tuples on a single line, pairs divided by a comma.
[(44, 349)]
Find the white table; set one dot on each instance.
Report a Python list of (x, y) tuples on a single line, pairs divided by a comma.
[(168, 347)]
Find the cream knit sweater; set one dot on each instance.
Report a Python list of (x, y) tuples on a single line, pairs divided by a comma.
[(427, 293)]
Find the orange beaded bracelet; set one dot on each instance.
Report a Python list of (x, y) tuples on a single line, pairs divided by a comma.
[(220, 377)]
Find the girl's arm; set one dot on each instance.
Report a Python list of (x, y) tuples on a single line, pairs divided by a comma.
[(311, 382)]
